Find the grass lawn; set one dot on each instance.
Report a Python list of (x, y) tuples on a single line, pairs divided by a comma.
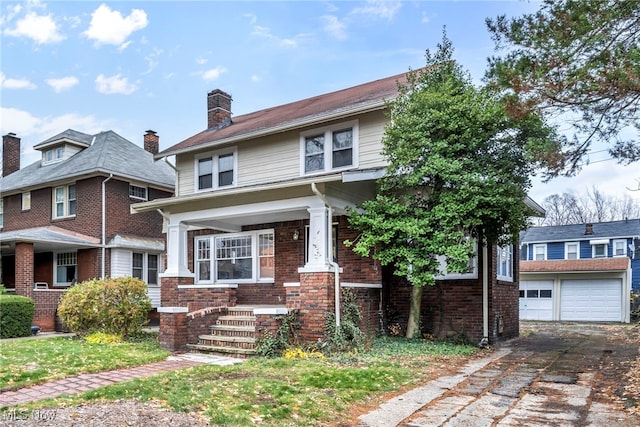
[(277, 392), (34, 361)]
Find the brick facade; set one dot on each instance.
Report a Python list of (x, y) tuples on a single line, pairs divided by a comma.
[(46, 306)]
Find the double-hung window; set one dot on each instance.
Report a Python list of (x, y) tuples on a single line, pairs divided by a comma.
[(620, 247), (145, 267), (505, 263), (66, 268), (64, 201), (599, 250), (216, 170), (235, 258), (539, 252), (572, 250), (332, 148)]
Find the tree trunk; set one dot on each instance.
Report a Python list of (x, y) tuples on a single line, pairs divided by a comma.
[(413, 326)]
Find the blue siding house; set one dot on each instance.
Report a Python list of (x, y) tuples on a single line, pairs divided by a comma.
[(581, 272)]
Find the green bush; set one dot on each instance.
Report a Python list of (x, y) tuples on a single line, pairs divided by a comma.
[(113, 306), (16, 315)]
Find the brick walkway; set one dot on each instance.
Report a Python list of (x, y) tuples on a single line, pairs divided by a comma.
[(86, 382)]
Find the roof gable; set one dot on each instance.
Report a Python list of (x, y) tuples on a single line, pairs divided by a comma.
[(296, 114), (574, 232)]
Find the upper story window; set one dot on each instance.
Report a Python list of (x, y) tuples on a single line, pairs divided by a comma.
[(66, 268), (599, 250), (505, 263), (53, 155), (332, 148), (145, 267), (572, 250), (26, 200), (540, 252), (216, 170), (235, 258), (620, 247), (137, 192), (64, 201)]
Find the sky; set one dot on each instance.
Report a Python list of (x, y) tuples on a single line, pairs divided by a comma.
[(133, 66)]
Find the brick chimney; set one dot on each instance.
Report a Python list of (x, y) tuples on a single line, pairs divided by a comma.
[(10, 154), (151, 142), (588, 229), (218, 109)]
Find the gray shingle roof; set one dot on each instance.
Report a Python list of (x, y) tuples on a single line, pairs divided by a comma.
[(70, 135), (109, 153), (563, 233)]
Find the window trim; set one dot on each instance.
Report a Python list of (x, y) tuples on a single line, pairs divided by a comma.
[(133, 186), (327, 132), (624, 247), (593, 250), (509, 276), (57, 155), (65, 202), (473, 264), (145, 267), (566, 250), (214, 156), (544, 251), (212, 265), (57, 283), (26, 201)]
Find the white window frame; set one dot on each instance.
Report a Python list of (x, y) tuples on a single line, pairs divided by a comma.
[(133, 188), (504, 255), (53, 155), (56, 255), (593, 250), (471, 274), (26, 201), (620, 242), (211, 265), (1, 212), (215, 156), (327, 132), (145, 267), (544, 251), (566, 249), (66, 202)]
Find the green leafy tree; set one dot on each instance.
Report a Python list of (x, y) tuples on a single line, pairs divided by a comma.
[(580, 57), (458, 172)]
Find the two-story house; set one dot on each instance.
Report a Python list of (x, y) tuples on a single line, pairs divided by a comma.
[(66, 217), (259, 218), (582, 272)]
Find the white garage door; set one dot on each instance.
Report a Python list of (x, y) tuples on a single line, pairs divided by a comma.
[(591, 300), (536, 300)]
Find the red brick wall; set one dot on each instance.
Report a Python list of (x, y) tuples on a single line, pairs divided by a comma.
[(173, 331), (44, 268), (24, 269), (89, 265), (368, 301), (316, 298), (46, 305)]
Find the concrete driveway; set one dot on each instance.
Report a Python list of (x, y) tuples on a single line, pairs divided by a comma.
[(554, 374)]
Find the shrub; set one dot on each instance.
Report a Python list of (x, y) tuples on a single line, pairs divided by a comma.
[(103, 338), (347, 336), (114, 306), (273, 344), (16, 315)]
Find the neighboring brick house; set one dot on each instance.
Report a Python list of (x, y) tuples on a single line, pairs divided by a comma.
[(259, 219), (581, 272), (66, 218)]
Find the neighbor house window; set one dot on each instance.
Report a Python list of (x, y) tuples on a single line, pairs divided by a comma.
[(620, 247), (66, 268), (64, 201), (145, 267), (599, 250), (26, 200), (505, 263), (137, 192), (235, 258), (539, 252), (329, 149), (216, 170), (572, 250)]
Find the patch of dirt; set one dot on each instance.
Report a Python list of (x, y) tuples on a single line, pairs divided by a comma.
[(119, 413)]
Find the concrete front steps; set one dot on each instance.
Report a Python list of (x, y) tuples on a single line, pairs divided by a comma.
[(234, 334)]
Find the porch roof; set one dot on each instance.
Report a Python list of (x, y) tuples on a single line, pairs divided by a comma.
[(48, 238), (574, 265)]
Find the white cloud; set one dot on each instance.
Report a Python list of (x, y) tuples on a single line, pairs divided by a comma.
[(114, 85), (152, 60), (379, 9), (40, 28), (265, 33), (425, 18), (110, 27), (6, 83), (256, 78), (214, 73), (201, 61), (334, 27), (63, 83)]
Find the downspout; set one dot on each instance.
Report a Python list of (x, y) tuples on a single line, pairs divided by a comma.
[(336, 267), (485, 296), (104, 228)]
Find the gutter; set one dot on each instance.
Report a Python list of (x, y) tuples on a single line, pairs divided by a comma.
[(104, 228), (336, 267)]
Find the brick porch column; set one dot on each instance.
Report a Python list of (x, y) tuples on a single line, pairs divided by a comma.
[(173, 328), (316, 297), (24, 269)]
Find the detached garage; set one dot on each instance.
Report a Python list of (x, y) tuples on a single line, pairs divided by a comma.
[(591, 290)]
